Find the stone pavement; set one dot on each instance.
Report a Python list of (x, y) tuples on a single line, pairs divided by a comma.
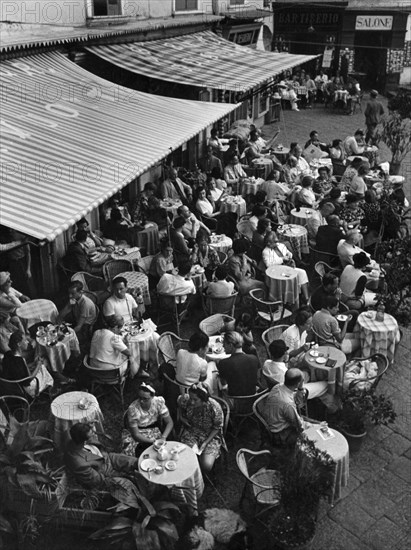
[(375, 510)]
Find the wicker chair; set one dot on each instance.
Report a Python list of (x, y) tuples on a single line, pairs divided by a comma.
[(94, 284), (241, 409), (263, 481), (225, 306), (110, 377), (170, 311), (16, 387), (223, 257), (272, 333), (144, 264), (321, 268), (268, 311), (245, 228), (112, 268), (382, 364), (168, 345), (216, 323), (265, 432), (332, 260)]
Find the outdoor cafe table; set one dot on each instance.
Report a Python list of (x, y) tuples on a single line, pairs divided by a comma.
[(147, 238), (234, 204), (282, 284), (334, 375), (36, 311), (132, 254), (186, 481), (198, 277), (341, 95), (221, 243), (300, 217), (297, 236), (136, 279), (60, 352), (281, 153), (337, 448), (377, 336), (142, 346), (250, 186), (171, 205), (65, 412)]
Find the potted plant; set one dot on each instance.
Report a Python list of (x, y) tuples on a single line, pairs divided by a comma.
[(306, 478), (395, 131), (142, 521), (360, 407)]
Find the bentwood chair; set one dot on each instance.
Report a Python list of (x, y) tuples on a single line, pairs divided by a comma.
[(241, 409), (112, 268), (272, 333), (168, 345), (172, 309), (110, 377), (225, 306), (268, 311)]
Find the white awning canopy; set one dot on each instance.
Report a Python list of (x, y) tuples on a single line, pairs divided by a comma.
[(70, 140)]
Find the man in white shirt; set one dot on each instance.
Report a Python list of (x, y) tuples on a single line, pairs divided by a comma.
[(347, 248), (355, 145), (192, 224), (274, 369), (108, 349), (120, 302), (303, 167), (179, 285), (317, 219), (221, 288)]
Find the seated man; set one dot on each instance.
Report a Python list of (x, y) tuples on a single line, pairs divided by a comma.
[(174, 188), (10, 298), (347, 248), (234, 173), (274, 369), (315, 140), (239, 372), (93, 242), (91, 467), (317, 219), (81, 312), (76, 257), (208, 163), (108, 349), (329, 287), (220, 288), (280, 410), (178, 284), (258, 213), (192, 224), (329, 235), (328, 331), (120, 302)]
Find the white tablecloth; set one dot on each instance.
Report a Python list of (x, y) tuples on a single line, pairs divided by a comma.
[(300, 217), (171, 205), (143, 347), (58, 354), (221, 243), (65, 412), (234, 204), (36, 311), (251, 186)]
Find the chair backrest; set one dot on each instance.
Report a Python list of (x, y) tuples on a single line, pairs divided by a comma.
[(325, 257), (242, 405), (172, 390), (215, 323), (14, 413), (104, 376), (272, 333), (226, 412), (90, 282), (269, 307), (223, 306), (169, 344), (92, 296), (243, 459), (258, 407), (382, 366), (112, 268), (222, 256), (144, 264)]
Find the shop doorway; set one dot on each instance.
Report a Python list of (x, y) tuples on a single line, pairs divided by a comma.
[(370, 58)]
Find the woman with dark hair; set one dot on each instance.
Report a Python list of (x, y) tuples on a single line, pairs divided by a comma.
[(325, 182), (204, 255), (306, 196), (353, 281), (295, 336), (203, 420), (162, 262), (244, 326), (351, 214), (240, 267), (181, 251), (119, 228), (337, 151), (350, 172), (257, 242), (203, 203), (191, 364), (358, 186), (147, 419)]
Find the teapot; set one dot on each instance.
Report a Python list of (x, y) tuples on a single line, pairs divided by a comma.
[(162, 454)]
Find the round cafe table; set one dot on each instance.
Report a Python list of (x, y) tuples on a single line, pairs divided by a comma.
[(186, 481), (318, 372), (281, 153), (337, 447), (377, 336), (282, 283), (136, 279), (211, 354), (234, 204), (221, 243), (250, 186), (300, 217), (297, 236), (36, 311), (198, 277), (142, 346), (148, 238), (65, 412), (60, 352), (352, 157), (171, 205), (133, 254)]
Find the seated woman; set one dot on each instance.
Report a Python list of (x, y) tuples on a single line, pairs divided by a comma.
[(7, 327), (147, 419), (352, 215), (115, 204), (108, 350), (257, 242), (202, 419), (15, 367), (213, 191), (244, 326), (338, 157), (276, 253), (325, 182), (240, 267), (181, 251), (119, 229), (291, 172), (350, 172), (204, 255), (358, 186), (162, 262), (295, 337), (306, 196), (276, 187), (203, 204), (353, 281), (192, 366)]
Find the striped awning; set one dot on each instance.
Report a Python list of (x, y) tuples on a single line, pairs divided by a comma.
[(70, 140), (202, 59)]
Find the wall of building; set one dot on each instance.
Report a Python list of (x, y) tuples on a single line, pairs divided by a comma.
[(405, 77), (46, 12)]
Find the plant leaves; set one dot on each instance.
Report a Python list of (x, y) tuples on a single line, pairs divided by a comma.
[(28, 484), (124, 491), (5, 525), (164, 505), (116, 524)]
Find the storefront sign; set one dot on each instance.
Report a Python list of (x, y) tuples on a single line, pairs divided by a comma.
[(308, 18), (373, 22), (244, 38), (327, 57)]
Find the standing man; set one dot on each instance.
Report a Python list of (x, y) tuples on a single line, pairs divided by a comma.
[(373, 113)]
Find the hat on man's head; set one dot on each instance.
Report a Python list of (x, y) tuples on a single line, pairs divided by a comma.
[(359, 131), (282, 84), (277, 348), (4, 276), (373, 93), (276, 96)]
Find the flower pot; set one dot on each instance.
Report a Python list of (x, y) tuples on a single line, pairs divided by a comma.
[(281, 540), (354, 440)]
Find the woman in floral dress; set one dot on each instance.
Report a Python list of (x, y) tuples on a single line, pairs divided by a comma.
[(203, 419), (143, 419)]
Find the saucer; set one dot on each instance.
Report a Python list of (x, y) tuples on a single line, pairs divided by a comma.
[(321, 360), (170, 465), (148, 464)]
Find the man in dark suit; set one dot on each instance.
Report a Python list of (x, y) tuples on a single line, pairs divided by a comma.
[(90, 466), (208, 163), (328, 236), (239, 372), (76, 258)]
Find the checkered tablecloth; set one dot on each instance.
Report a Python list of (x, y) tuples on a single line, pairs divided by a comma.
[(136, 279), (148, 238), (234, 204), (301, 217), (36, 311), (250, 187), (377, 336), (58, 354), (301, 90), (297, 236)]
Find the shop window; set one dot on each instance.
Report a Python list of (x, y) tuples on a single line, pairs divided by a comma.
[(102, 8), (237, 2), (186, 5)]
